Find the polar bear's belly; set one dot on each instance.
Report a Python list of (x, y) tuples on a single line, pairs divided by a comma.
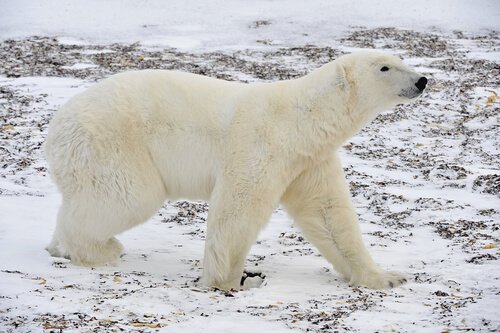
[(188, 168)]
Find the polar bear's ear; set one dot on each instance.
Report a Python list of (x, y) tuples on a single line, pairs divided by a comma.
[(342, 77)]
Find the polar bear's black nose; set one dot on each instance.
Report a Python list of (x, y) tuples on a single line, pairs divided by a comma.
[(421, 83)]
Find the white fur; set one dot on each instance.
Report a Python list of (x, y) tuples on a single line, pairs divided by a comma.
[(119, 149)]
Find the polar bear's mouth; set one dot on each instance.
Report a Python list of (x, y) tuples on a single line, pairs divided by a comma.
[(410, 93)]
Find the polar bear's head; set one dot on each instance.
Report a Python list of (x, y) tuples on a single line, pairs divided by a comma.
[(376, 81)]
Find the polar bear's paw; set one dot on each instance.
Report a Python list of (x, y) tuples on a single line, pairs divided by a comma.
[(56, 250), (379, 280), (106, 253), (251, 280)]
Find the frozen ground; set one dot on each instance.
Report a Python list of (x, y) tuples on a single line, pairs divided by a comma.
[(425, 177)]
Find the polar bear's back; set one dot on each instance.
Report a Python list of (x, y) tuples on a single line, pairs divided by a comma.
[(162, 91)]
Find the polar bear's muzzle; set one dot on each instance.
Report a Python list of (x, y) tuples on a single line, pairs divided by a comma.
[(415, 91)]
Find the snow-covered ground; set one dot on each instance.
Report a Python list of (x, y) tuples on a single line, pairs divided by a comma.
[(425, 177)]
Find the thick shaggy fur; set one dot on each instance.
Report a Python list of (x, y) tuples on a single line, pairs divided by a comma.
[(118, 150)]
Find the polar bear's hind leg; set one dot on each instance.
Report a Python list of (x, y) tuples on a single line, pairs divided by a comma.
[(79, 236), (107, 194)]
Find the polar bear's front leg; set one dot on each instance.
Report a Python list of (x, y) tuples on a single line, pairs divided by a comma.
[(236, 216), (320, 203)]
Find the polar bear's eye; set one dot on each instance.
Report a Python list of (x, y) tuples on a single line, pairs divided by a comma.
[(384, 69)]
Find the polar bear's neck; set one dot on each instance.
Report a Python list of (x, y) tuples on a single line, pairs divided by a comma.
[(328, 111)]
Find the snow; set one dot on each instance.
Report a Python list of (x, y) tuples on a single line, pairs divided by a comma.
[(422, 176), (191, 24), (80, 66)]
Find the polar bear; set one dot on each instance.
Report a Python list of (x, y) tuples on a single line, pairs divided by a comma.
[(118, 150)]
